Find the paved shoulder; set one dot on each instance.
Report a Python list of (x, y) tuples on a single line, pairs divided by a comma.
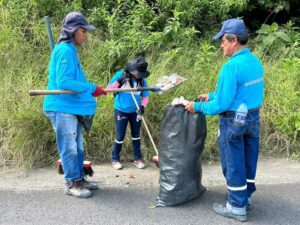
[(270, 171), (36, 197)]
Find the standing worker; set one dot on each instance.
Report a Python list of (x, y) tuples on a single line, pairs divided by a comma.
[(126, 110), (69, 113), (237, 100)]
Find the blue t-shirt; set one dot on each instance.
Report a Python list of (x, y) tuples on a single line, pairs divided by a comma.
[(241, 80), (123, 100), (65, 73)]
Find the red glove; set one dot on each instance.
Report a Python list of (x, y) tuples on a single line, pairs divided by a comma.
[(99, 91)]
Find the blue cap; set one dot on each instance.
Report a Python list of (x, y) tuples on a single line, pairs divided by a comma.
[(232, 26), (74, 20)]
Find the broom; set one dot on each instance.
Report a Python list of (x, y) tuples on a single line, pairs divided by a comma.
[(155, 158), (87, 168)]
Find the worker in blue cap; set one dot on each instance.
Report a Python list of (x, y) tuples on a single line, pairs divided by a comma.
[(69, 114), (237, 100)]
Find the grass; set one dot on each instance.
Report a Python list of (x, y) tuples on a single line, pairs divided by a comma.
[(27, 138)]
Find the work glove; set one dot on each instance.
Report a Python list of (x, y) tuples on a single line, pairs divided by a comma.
[(140, 113), (125, 77), (99, 91)]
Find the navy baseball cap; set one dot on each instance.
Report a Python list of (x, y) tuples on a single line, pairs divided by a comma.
[(232, 26), (74, 20)]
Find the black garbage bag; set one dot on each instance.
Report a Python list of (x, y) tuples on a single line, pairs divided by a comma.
[(181, 143)]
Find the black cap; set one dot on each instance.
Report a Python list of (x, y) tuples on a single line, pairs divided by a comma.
[(138, 67)]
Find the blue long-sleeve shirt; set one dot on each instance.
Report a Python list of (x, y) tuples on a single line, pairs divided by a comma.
[(123, 100), (241, 80), (65, 73)]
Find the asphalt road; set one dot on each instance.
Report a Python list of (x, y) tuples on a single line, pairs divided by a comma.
[(125, 198)]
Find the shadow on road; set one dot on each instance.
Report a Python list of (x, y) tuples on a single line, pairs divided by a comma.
[(273, 204)]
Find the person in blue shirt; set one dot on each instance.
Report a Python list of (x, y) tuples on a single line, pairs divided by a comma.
[(70, 113), (125, 108), (240, 85)]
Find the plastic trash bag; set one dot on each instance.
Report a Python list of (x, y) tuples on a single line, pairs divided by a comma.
[(181, 143)]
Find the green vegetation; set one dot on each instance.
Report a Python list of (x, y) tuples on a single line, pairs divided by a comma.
[(175, 36)]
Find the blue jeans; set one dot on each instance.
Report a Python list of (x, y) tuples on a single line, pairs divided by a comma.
[(121, 121), (239, 149), (69, 139)]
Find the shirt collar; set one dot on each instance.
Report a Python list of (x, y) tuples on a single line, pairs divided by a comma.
[(241, 52), (73, 47)]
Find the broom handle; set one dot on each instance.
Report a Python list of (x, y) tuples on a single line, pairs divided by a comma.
[(49, 32), (145, 124), (150, 136)]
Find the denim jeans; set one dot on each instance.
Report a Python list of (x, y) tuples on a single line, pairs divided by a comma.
[(121, 121), (69, 139), (239, 149)]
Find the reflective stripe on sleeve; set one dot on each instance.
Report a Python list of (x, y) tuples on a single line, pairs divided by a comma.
[(237, 188), (254, 82)]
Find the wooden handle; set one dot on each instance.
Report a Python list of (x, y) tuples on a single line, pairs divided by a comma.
[(150, 136), (57, 92), (50, 92)]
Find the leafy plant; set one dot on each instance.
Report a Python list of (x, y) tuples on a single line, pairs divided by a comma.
[(278, 41), (174, 36)]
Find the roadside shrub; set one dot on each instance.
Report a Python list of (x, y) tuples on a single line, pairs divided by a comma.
[(174, 36)]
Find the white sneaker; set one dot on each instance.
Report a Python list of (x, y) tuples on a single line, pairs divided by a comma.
[(139, 164), (117, 165)]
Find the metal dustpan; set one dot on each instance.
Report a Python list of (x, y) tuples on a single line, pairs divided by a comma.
[(166, 83)]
